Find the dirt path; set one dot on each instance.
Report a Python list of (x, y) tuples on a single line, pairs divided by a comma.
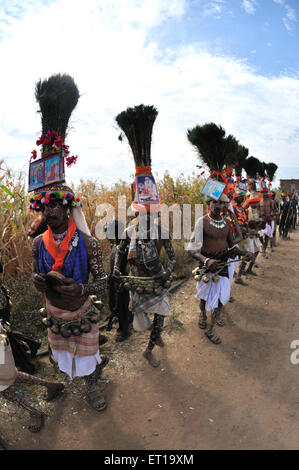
[(241, 394)]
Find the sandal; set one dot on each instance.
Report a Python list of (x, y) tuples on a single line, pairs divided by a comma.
[(96, 400), (36, 422), (220, 322), (213, 337), (202, 323)]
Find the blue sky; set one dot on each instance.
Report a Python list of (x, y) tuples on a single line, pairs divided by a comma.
[(265, 32), (234, 62)]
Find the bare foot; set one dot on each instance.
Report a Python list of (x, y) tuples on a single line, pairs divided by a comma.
[(36, 421), (151, 359)]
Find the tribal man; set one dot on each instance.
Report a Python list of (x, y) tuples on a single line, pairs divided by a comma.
[(144, 241), (66, 254), (267, 212), (244, 242), (67, 249), (216, 248)]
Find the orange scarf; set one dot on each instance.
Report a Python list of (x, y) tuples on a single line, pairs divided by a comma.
[(58, 253)]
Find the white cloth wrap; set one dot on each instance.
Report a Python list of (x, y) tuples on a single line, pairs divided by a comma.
[(77, 366), (212, 292), (267, 231), (231, 268), (254, 245)]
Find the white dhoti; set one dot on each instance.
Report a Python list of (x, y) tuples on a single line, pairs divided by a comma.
[(231, 268), (77, 366), (213, 292), (255, 245), (267, 231)]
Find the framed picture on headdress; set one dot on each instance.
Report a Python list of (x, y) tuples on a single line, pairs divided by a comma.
[(36, 175), (146, 190), (54, 168), (242, 185), (213, 188), (45, 171)]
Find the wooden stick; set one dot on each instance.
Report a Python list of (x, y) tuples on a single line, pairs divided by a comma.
[(138, 277)]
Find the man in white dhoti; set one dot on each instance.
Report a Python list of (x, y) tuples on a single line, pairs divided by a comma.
[(216, 248)]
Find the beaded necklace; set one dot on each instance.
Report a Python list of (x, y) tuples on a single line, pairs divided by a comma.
[(217, 223)]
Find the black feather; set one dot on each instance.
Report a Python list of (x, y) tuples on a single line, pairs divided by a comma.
[(252, 166), (270, 170), (57, 97), (137, 124), (214, 149), (241, 155)]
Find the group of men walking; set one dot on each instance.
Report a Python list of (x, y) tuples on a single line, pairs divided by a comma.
[(68, 268)]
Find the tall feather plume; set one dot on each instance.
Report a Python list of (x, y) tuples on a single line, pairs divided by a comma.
[(137, 124), (252, 166), (271, 170), (214, 149), (262, 170), (57, 97), (241, 155)]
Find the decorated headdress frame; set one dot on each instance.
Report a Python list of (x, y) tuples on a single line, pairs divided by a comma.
[(57, 97), (137, 124), (216, 151)]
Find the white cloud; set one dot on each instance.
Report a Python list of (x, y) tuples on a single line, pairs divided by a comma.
[(249, 6), (116, 63), (214, 8), (289, 17)]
